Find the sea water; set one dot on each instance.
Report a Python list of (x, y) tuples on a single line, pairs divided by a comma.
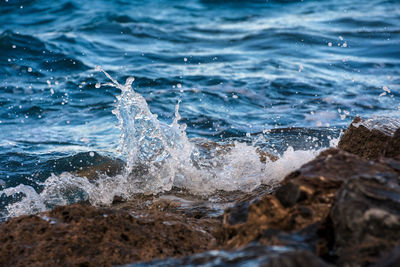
[(151, 82)]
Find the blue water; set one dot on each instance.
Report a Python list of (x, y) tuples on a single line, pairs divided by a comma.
[(239, 68)]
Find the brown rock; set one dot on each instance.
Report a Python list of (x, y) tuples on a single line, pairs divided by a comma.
[(393, 147), (305, 198), (366, 218), (370, 138), (390, 260), (88, 236), (101, 165)]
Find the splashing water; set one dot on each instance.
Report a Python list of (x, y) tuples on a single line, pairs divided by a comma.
[(158, 156)]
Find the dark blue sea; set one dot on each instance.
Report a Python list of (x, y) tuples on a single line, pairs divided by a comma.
[(281, 76)]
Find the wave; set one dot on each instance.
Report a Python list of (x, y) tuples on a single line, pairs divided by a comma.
[(157, 157)]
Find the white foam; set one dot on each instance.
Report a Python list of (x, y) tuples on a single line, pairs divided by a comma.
[(158, 157)]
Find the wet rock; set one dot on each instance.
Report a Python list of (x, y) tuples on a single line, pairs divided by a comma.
[(289, 194), (390, 260), (237, 213), (208, 147), (252, 255), (101, 165), (372, 138), (304, 199), (393, 148), (366, 218), (88, 236)]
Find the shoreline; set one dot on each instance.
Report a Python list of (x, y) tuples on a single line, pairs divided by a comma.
[(340, 208)]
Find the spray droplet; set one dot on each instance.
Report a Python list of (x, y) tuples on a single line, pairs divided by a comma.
[(84, 139), (29, 69), (386, 89), (97, 85), (91, 153), (97, 68), (129, 81)]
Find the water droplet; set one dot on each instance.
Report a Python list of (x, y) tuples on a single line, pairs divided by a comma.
[(129, 81), (91, 153), (97, 85), (29, 69), (84, 140), (386, 89)]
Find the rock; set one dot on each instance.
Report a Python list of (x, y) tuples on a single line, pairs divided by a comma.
[(390, 260), (304, 200), (366, 218), (393, 148), (252, 255), (372, 138), (101, 165), (88, 236), (289, 194)]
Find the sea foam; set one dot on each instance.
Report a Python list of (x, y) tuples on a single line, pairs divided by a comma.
[(158, 157)]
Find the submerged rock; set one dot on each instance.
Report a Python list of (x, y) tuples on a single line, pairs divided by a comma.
[(89, 236), (101, 165), (372, 138)]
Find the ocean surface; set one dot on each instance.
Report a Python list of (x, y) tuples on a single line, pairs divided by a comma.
[(182, 93)]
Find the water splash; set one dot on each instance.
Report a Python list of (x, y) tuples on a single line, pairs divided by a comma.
[(159, 156)]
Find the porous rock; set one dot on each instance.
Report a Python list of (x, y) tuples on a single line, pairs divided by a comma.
[(393, 147), (87, 236), (366, 218), (303, 201), (372, 138)]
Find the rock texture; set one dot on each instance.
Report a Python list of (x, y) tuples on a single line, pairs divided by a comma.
[(366, 218), (393, 147), (304, 198), (372, 138), (86, 236)]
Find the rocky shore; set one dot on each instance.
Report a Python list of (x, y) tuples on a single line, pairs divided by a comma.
[(342, 208)]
